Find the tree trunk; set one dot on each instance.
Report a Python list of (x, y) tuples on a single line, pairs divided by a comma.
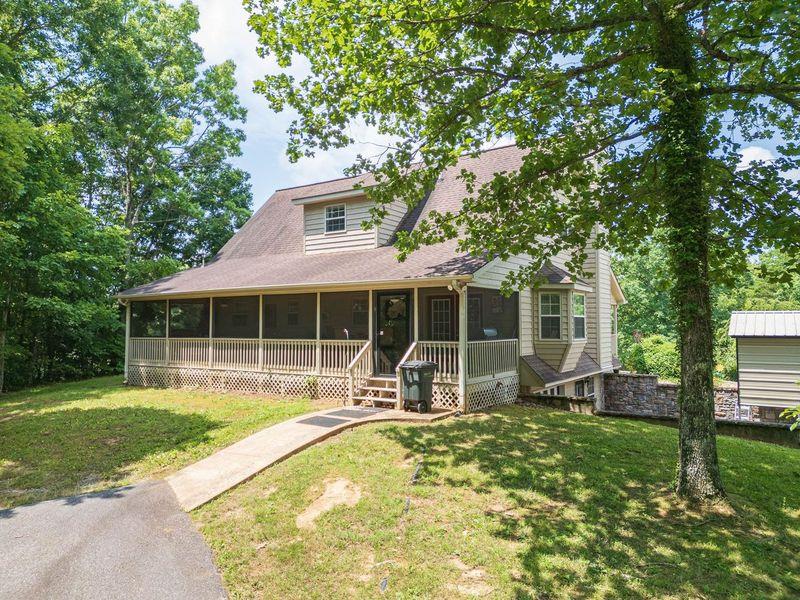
[(684, 151)]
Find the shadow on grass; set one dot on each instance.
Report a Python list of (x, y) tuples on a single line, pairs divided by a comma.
[(54, 394), (46, 455), (590, 506)]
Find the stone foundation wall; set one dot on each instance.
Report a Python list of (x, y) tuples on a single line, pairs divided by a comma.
[(644, 395)]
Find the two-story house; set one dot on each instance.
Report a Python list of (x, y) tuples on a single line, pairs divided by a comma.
[(303, 300)]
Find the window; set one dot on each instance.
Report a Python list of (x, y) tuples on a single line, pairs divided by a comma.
[(584, 388), (292, 313), (579, 316), (236, 317), (555, 391), (360, 312), (441, 319), (148, 319), (189, 318), (335, 220), (550, 316)]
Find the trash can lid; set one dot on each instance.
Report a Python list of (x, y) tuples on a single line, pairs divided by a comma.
[(418, 364)]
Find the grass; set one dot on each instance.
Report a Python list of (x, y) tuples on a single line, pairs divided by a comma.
[(517, 503), (80, 437)]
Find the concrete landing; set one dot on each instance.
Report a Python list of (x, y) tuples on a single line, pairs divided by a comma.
[(205, 480)]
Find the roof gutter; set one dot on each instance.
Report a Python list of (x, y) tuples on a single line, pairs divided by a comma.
[(336, 285)]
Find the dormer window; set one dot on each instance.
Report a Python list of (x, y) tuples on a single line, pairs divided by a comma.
[(335, 218)]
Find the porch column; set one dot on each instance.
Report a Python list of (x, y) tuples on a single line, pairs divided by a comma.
[(416, 314), (210, 332), (318, 351), (127, 335), (370, 332), (463, 362), (166, 339), (260, 332)]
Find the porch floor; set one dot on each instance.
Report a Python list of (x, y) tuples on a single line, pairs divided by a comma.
[(205, 480)]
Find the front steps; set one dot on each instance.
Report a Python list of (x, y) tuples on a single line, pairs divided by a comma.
[(378, 391)]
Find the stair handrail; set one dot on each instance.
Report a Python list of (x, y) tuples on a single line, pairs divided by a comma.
[(355, 364), (410, 354)]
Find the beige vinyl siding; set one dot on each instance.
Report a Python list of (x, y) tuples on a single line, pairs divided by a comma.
[(592, 344), (492, 274), (571, 356), (603, 309), (769, 371), (526, 322), (353, 238), (394, 215)]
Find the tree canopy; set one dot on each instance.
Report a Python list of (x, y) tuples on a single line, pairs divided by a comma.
[(115, 148), (633, 112)]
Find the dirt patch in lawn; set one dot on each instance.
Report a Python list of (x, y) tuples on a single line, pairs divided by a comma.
[(472, 581), (338, 491)]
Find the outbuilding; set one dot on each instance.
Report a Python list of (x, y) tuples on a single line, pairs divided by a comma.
[(768, 357)]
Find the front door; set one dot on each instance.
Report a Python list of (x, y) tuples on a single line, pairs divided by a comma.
[(392, 329)]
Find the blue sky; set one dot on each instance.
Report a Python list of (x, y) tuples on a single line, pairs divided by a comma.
[(224, 35)]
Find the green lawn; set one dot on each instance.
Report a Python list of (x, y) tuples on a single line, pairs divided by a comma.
[(78, 437), (519, 503)]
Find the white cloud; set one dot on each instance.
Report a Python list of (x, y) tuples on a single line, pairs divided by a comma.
[(754, 153)]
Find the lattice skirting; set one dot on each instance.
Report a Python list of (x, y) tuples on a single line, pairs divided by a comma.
[(492, 392), (445, 395), (273, 384)]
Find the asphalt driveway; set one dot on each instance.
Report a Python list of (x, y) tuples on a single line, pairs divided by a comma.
[(133, 542)]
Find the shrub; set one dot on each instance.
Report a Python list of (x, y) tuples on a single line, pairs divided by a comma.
[(655, 354)]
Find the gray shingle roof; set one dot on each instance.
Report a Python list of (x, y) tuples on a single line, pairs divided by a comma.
[(268, 250), (768, 323), (586, 365)]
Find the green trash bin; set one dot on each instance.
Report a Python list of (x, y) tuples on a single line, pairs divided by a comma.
[(418, 385)]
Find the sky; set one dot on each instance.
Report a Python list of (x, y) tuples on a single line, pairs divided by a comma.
[(224, 35)]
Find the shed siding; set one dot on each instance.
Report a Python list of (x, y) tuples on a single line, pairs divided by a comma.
[(769, 371), (353, 238)]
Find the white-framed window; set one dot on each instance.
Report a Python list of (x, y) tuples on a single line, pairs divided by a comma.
[(580, 389), (579, 316), (550, 316), (441, 319), (335, 218), (584, 388), (590, 387), (555, 391)]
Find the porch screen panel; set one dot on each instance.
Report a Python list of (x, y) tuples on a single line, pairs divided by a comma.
[(188, 318), (438, 315), (290, 316), (236, 317), (491, 315), (149, 319), (344, 315)]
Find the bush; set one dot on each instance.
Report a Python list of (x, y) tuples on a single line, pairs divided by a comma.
[(656, 354)]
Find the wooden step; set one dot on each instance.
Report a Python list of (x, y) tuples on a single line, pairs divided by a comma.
[(386, 378), (374, 399), (374, 388)]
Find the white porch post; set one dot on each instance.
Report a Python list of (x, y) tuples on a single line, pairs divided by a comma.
[(318, 352), (370, 332), (166, 339), (463, 362), (127, 335), (210, 332), (416, 315), (260, 332)]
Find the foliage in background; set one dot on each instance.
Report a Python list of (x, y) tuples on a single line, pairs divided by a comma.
[(114, 170), (764, 285)]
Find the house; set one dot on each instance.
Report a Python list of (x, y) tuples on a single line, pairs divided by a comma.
[(303, 300), (768, 360)]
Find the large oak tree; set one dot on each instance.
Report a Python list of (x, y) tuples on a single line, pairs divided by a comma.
[(633, 111)]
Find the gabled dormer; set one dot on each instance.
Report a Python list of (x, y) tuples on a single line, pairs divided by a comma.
[(333, 222)]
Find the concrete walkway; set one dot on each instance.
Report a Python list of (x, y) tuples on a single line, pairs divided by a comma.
[(204, 480), (128, 543)]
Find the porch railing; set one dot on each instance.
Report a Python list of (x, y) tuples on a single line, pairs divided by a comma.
[(490, 357), (359, 370), (445, 355), (328, 357)]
